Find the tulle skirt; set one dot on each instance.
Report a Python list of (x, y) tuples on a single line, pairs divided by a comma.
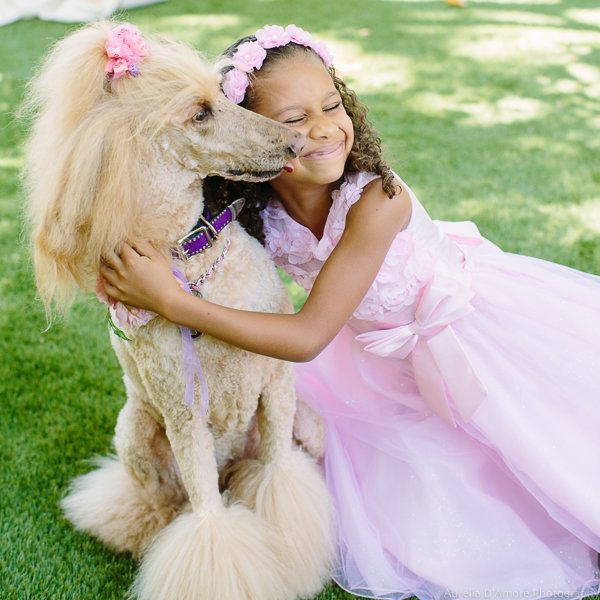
[(503, 505)]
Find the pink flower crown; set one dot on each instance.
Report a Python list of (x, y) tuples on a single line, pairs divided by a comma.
[(125, 49), (249, 56)]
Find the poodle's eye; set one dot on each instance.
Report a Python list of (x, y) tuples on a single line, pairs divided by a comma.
[(200, 115)]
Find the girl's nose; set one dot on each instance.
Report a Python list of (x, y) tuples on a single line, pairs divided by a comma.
[(322, 127)]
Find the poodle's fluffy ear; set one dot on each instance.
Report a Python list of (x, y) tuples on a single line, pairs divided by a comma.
[(81, 168)]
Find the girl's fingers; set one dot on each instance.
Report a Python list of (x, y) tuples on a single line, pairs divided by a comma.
[(110, 277), (128, 253), (107, 275), (118, 262), (111, 290), (136, 275), (145, 249), (111, 259), (106, 270)]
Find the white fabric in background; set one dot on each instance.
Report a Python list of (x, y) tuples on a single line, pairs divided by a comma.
[(68, 11)]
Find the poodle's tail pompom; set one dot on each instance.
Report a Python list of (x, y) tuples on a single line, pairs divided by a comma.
[(110, 505), (291, 494), (220, 553)]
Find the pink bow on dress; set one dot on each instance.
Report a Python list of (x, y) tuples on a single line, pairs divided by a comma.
[(438, 358)]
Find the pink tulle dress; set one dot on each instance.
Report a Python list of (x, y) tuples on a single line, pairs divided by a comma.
[(462, 409)]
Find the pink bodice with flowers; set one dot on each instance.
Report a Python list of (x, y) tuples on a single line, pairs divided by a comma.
[(415, 254)]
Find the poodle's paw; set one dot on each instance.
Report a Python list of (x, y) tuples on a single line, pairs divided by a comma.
[(221, 553), (292, 496), (108, 504)]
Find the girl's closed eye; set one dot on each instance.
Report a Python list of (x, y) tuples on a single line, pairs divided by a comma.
[(296, 120)]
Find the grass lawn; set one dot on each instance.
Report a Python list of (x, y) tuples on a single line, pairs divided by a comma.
[(490, 113)]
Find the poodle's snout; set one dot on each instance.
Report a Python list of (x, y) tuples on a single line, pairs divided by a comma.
[(296, 145)]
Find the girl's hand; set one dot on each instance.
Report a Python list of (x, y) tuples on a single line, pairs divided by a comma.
[(140, 277)]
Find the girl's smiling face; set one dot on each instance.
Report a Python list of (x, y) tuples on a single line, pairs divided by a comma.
[(299, 92)]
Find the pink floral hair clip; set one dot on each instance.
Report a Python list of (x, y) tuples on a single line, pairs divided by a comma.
[(249, 56), (125, 49)]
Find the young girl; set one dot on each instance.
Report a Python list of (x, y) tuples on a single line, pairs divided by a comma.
[(460, 385)]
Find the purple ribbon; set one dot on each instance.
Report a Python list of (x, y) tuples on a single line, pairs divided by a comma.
[(191, 362)]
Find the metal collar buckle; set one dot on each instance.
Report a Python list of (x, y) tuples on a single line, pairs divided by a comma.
[(201, 238), (204, 230)]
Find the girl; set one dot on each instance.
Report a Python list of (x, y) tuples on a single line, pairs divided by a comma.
[(459, 384)]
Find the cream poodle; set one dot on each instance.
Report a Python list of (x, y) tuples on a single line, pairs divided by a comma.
[(118, 151)]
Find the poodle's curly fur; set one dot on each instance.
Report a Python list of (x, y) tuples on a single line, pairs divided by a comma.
[(110, 161)]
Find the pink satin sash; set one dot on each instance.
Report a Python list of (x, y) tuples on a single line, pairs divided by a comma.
[(440, 363)]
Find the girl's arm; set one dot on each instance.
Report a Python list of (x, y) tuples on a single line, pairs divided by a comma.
[(145, 280)]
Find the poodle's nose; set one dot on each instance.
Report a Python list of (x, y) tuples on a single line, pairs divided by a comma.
[(296, 145)]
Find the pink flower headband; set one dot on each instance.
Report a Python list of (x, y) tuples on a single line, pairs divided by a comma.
[(249, 56), (125, 49)]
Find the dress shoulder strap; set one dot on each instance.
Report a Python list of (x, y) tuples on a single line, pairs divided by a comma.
[(351, 190)]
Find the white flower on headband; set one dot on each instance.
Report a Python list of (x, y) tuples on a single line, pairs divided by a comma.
[(250, 56)]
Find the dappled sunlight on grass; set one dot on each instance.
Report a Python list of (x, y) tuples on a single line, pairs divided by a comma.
[(508, 109), (563, 233), (527, 2), (210, 33), (5, 225), (589, 76), (578, 228), (579, 218), (594, 123), (589, 16), (531, 142), (514, 16), (197, 21), (560, 86), (545, 45), (11, 162), (415, 1), (369, 73)]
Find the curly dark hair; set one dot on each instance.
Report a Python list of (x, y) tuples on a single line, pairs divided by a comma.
[(366, 153)]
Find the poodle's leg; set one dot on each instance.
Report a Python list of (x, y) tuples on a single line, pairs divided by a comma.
[(126, 502), (144, 449), (309, 430), (287, 489), (213, 552), (275, 415)]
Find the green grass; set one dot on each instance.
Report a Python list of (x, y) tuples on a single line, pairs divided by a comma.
[(489, 113)]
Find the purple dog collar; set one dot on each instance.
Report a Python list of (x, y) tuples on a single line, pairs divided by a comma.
[(201, 238)]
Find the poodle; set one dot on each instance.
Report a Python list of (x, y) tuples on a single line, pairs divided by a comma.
[(118, 150)]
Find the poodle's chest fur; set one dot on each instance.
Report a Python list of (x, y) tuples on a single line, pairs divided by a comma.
[(245, 279)]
